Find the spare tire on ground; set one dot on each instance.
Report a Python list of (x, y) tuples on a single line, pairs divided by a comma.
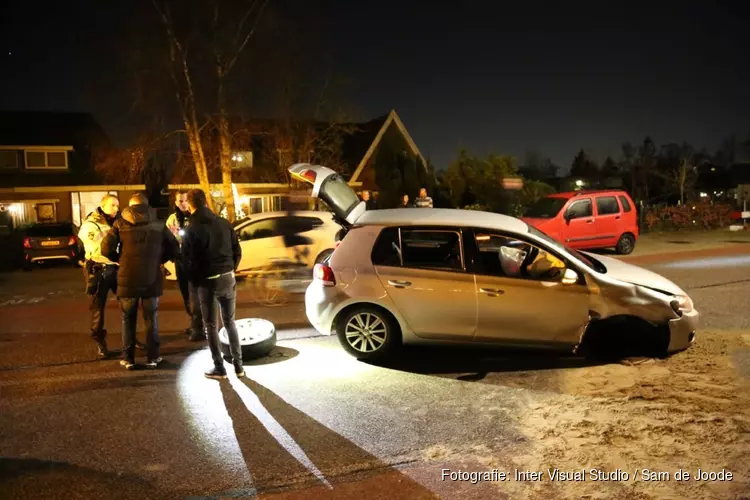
[(257, 338)]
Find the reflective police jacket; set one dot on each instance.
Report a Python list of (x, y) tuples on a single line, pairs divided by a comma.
[(92, 231)]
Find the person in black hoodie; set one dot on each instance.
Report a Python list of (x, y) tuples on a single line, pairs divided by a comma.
[(141, 244), (211, 253)]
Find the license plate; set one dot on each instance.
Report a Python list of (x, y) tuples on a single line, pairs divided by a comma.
[(50, 243)]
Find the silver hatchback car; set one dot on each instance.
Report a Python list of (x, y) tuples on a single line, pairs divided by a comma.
[(437, 276)]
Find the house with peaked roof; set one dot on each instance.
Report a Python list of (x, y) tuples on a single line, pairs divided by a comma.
[(47, 164)]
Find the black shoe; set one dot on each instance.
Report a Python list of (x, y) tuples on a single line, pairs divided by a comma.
[(153, 363), (101, 348), (239, 370), (216, 374)]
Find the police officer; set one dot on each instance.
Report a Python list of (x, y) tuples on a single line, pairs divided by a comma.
[(101, 273), (177, 222)]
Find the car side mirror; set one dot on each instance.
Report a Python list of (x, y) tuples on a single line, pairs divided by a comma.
[(567, 217), (570, 277)]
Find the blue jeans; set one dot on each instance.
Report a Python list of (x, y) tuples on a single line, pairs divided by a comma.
[(214, 294), (150, 311)]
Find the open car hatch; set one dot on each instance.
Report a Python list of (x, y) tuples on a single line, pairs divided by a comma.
[(333, 189)]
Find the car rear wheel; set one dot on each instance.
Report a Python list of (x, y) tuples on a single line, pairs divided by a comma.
[(368, 333), (626, 244)]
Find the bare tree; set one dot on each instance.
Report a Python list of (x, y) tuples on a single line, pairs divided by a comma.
[(682, 174), (228, 44), (181, 75)]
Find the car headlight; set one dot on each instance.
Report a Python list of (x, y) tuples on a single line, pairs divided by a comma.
[(684, 303)]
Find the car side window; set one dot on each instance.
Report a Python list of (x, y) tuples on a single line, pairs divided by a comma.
[(304, 224), (387, 249), (579, 208), (607, 205), (508, 257), (625, 204), (438, 249), (265, 228)]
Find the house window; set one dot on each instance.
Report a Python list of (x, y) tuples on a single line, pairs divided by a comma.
[(46, 159), (9, 159), (242, 159)]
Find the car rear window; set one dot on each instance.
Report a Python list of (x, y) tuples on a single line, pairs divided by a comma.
[(431, 249), (49, 230), (625, 204), (607, 205)]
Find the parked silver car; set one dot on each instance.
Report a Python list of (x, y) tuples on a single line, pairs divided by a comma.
[(418, 276)]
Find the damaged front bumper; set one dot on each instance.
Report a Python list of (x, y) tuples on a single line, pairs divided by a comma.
[(682, 331)]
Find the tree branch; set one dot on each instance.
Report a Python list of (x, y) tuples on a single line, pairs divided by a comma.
[(228, 67)]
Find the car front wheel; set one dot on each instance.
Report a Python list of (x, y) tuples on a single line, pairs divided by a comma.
[(368, 333)]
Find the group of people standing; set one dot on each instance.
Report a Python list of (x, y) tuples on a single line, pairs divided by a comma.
[(422, 201), (125, 254)]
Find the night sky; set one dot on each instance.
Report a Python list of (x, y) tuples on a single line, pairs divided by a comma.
[(504, 77)]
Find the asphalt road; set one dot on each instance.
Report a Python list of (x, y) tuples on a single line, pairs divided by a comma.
[(308, 422)]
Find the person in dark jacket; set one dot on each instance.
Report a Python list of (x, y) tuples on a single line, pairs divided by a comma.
[(211, 253), (370, 204), (405, 202), (177, 222), (141, 244)]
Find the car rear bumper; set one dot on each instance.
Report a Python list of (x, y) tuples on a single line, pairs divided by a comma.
[(320, 307), (682, 331), (62, 253)]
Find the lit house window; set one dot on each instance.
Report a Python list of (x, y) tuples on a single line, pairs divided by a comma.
[(46, 159), (242, 159)]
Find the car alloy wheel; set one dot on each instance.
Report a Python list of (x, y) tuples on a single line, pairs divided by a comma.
[(626, 244), (257, 338), (366, 332)]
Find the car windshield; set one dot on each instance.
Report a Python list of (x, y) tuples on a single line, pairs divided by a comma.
[(546, 208), (586, 259), (49, 230)]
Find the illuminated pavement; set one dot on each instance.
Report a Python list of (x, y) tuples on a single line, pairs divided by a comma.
[(308, 417)]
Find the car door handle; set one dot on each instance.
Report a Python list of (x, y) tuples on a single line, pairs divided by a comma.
[(617, 217), (590, 221), (399, 284), (492, 292)]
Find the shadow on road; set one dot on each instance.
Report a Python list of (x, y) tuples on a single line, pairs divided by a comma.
[(471, 364), (22, 478), (285, 448)]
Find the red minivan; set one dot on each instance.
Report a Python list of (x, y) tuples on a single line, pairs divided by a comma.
[(587, 219)]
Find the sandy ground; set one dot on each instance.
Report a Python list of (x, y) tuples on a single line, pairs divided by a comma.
[(689, 412)]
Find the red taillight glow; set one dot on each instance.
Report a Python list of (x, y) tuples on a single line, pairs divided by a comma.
[(307, 175), (324, 274), (72, 241), (27, 242)]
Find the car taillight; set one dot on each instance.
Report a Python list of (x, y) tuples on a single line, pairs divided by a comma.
[(324, 274), (72, 241), (27, 242)]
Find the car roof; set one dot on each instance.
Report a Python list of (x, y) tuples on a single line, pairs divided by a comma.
[(442, 217), (296, 213), (571, 194)]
